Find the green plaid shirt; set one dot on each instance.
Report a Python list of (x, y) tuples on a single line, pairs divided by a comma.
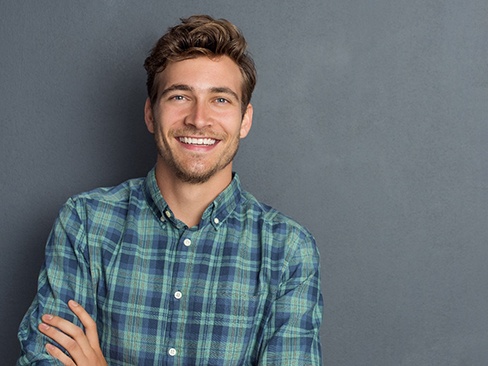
[(241, 288)]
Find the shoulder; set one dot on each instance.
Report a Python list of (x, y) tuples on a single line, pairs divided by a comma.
[(118, 194), (98, 216), (285, 245), (270, 215), (105, 202), (277, 227)]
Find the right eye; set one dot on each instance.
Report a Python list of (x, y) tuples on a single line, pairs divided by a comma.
[(177, 97)]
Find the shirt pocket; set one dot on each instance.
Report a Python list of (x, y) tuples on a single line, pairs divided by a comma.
[(229, 324)]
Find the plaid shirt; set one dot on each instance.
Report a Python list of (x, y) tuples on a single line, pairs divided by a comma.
[(241, 288)]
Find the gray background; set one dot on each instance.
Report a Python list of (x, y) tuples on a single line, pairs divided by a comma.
[(370, 129)]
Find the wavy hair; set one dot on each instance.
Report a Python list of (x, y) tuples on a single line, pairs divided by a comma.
[(201, 35)]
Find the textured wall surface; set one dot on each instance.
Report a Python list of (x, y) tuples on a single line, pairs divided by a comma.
[(370, 128)]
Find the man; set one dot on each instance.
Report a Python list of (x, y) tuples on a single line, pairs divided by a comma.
[(182, 267)]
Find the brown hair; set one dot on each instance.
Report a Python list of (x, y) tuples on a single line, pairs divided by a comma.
[(201, 35)]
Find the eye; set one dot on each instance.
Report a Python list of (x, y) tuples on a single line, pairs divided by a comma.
[(177, 97), (221, 100)]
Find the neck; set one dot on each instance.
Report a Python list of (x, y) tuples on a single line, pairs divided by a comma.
[(188, 201)]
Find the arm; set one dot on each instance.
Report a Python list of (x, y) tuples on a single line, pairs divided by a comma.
[(64, 275), (82, 346), (292, 332)]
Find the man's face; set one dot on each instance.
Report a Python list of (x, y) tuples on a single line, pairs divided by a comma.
[(197, 117)]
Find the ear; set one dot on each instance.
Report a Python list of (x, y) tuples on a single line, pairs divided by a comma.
[(246, 121), (148, 116)]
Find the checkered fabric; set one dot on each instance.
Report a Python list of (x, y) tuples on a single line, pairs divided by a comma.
[(241, 288)]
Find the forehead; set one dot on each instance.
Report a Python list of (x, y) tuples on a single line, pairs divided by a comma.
[(202, 74)]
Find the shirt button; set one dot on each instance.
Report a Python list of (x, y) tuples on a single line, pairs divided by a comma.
[(172, 352), (178, 295), (167, 213), (216, 220), (187, 242)]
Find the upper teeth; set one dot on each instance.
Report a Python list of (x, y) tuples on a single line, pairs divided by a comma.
[(194, 141)]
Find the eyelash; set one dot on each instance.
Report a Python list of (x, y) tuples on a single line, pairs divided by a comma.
[(219, 100), (177, 97)]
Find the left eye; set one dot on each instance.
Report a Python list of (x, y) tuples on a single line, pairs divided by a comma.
[(221, 100)]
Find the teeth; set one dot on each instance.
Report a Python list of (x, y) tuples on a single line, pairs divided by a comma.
[(194, 141)]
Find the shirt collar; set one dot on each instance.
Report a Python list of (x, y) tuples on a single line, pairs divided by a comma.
[(215, 214)]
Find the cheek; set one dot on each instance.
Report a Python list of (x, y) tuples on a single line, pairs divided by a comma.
[(232, 122), (161, 122)]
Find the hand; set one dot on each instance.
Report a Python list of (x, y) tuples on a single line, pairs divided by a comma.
[(84, 348)]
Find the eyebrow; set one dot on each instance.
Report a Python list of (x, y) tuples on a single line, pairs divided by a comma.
[(184, 87), (174, 87), (225, 90)]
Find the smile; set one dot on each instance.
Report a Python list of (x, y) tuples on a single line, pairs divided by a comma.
[(197, 141)]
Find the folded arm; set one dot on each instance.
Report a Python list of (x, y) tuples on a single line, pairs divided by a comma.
[(65, 275), (83, 347)]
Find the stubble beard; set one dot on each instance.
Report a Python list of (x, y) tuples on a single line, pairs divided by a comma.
[(194, 172)]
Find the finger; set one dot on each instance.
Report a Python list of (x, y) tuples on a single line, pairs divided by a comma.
[(66, 327), (60, 355), (64, 340), (87, 321)]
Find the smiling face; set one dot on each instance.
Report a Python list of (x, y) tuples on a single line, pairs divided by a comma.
[(197, 119)]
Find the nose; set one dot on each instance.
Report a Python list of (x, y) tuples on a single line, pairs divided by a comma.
[(199, 115)]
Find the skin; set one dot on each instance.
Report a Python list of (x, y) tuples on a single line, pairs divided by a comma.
[(197, 98), (83, 346)]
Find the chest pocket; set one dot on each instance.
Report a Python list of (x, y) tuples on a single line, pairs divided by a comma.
[(229, 323)]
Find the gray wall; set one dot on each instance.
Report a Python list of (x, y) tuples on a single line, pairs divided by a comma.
[(370, 128)]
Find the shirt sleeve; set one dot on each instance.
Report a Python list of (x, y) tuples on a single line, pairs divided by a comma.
[(64, 275), (292, 333)]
